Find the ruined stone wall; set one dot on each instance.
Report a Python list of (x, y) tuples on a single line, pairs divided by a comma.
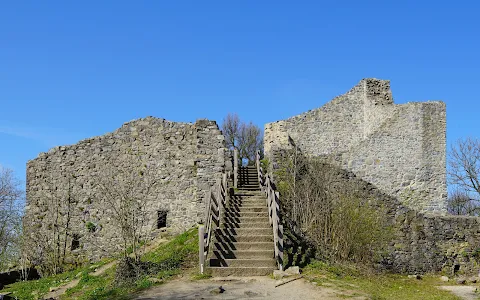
[(187, 159), (332, 128), (421, 243), (399, 148)]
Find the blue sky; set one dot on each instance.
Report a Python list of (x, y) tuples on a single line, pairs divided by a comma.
[(72, 70)]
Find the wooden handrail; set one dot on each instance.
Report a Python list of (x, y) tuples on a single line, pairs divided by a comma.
[(216, 201), (273, 204), (235, 167)]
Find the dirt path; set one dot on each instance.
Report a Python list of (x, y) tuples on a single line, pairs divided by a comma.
[(240, 288), (463, 291), (103, 268), (56, 292)]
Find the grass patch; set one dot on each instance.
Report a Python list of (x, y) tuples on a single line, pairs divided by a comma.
[(182, 251), (36, 289), (351, 281), (177, 255)]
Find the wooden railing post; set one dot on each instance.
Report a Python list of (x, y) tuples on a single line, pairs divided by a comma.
[(280, 246), (235, 167), (259, 173), (273, 204), (201, 247)]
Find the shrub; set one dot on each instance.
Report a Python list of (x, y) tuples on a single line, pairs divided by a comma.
[(343, 225)]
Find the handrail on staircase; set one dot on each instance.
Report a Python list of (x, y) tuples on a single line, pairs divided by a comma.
[(273, 204), (216, 202)]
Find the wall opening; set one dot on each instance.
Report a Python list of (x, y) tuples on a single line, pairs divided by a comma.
[(161, 219), (75, 242)]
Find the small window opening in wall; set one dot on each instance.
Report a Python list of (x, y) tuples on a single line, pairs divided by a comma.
[(161, 219), (75, 241)]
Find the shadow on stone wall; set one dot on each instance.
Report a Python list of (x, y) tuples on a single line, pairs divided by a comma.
[(422, 242), (10, 277)]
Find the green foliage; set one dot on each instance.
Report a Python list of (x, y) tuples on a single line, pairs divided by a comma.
[(265, 164), (172, 257), (359, 232), (179, 250), (37, 288), (476, 254), (91, 227)]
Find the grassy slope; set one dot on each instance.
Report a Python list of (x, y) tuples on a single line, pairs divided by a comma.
[(351, 282), (181, 250)]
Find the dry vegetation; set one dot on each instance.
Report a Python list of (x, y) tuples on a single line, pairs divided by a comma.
[(341, 226)]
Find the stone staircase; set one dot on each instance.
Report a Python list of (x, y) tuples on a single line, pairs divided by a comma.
[(244, 242)]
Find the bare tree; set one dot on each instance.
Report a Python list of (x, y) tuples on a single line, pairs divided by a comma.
[(460, 203), (231, 130), (464, 174), (247, 138), (46, 246), (250, 140), (125, 184), (10, 217)]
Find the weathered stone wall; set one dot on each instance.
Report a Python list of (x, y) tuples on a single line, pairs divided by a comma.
[(421, 242), (186, 158), (399, 148)]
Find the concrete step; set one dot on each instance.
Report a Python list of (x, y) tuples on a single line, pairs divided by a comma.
[(247, 214), (243, 245), (250, 199), (246, 263), (242, 220), (249, 186), (224, 272), (243, 254), (241, 193), (252, 231), (234, 209), (245, 238), (259, 203), (242, 189), (229, 225)]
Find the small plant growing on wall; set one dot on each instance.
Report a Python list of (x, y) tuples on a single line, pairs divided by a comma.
[(91, 227)]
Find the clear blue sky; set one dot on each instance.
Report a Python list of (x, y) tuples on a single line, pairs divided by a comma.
[(69, 71)]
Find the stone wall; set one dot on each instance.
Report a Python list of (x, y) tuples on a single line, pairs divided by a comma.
[(186, 159), (421, 242), (399, 148)]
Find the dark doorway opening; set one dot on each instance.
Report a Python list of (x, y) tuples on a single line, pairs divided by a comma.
[(161, 219), (75, 242)]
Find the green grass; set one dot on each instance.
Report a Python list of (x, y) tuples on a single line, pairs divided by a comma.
[(35, 289), (178, 255), (351, 282)]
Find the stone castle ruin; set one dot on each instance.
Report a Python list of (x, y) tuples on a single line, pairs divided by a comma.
[(397, 153), (187, 160), (401, 149)]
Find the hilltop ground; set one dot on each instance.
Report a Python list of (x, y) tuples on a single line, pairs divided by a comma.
[(319, 281)]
